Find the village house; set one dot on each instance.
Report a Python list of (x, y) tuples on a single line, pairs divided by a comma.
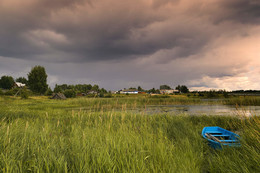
[(81, 94), (59, 96), (129, 91), (18, 85), (92, 92)]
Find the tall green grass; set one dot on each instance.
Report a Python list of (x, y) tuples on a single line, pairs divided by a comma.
[(94, 104), (243, 101), (44, 136)]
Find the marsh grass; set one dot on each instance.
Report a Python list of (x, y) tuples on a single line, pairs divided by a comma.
[(40, 135), (243, 101)]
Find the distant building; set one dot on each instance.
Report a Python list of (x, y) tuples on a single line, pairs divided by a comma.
[(141, 92), (59, 96), (165, 91), (81, 94), (129, 91), (92, 92), (19, 85), (115, 92)]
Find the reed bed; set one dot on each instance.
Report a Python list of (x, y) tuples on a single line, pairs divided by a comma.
[(243, 101), (44, 136)]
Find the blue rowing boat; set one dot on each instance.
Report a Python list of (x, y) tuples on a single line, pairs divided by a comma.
[(219, 137)]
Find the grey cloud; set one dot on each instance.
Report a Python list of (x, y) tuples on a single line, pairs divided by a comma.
[(243, 11), (98, 32), (94, 36), (111, 30)]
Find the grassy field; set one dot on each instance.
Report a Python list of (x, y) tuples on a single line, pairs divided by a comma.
[(100, 135)]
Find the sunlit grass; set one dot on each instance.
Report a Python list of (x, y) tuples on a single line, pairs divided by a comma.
[(42, 135)]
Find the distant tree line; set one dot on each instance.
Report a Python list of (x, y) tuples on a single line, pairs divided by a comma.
[(180, 88), (211, 93), (37, 84), (85, 89)]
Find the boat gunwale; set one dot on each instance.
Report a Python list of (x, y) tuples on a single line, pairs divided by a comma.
[(226, 132)]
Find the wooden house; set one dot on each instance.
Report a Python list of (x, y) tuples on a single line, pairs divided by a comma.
[(59, 96)]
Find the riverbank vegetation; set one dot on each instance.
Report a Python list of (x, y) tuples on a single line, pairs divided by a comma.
[(243, 101), (43, 135)]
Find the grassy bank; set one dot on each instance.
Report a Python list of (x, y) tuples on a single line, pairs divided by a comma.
[(94, 104), (243, 101), (41, 135)]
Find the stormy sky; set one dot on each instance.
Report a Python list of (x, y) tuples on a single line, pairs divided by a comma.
[(204, 44)]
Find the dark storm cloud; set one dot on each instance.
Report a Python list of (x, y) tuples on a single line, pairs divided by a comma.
[(244, 11), (98, 30)]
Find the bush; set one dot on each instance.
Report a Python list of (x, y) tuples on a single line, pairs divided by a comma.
[(109, 95), (225, 94), (24, 94), (91, 95), (101, 94), (160, 96), (1, 92), (48, 92), (211, 94), (69, 93), (201, 95), (9, 93)]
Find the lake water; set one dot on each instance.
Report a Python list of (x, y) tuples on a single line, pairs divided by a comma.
[(203, 109), (207, 109)]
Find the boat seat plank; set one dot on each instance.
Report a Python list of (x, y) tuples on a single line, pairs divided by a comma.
[(221, 135), (229, 141), (217, 132)]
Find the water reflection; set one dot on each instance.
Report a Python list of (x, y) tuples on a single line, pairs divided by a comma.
[(185, 109), (204, 110)]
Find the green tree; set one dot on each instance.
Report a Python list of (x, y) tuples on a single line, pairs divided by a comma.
[(211, 94), (182, 88), (178, 88), (22, 80), (103, 90), (37, 80), (95, 88), (57, 89), (152, 90), (48, 92), (140, 88), (6, 82), (69, 93), (132, 88), (101, 94), (225, 94), (167, 87)]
